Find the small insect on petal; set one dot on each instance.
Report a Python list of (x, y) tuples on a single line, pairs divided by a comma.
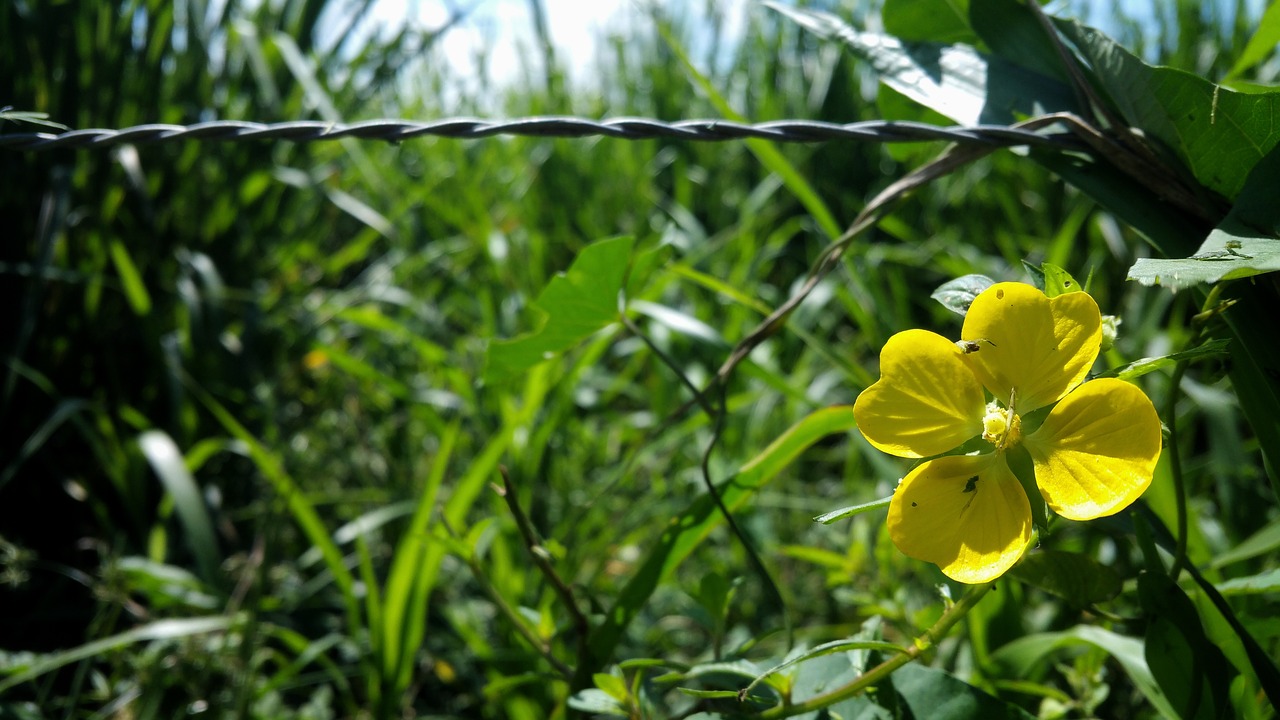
[(968, 347)]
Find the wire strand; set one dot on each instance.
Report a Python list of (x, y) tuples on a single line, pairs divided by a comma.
[(466, 128)]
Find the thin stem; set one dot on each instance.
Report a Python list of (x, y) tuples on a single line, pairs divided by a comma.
[(504, 607), (870, 678), (1171, 419), (540, 558)]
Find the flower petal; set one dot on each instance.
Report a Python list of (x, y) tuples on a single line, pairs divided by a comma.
[(1097, 449), (967, 514), (1041, 346), (926, 400)]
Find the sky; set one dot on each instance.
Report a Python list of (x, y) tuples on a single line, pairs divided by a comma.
[(506, 26), (576, 27)]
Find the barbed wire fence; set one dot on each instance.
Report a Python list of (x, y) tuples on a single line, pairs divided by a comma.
[(467, 128)]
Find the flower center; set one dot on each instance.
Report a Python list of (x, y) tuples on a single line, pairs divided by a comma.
[(1001, 426)]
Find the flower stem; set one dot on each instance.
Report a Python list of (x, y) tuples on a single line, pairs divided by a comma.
[(1171, 419), (878, 673)]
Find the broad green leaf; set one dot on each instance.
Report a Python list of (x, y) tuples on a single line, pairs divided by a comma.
[(955, 80), (1220, 134), (688, 529), (167, 462), (957, 295), (1259, 543), (938, 695), (1263, 43), (1191, 670), (1022, 656), (1246, 243), (575, 304), (1079, 579), (1012, 32), (1267, 582), (943, 21)]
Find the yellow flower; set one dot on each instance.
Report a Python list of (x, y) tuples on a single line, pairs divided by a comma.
[(1093, 453)]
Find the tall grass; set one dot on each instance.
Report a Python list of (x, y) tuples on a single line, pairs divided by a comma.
[(242, 380)]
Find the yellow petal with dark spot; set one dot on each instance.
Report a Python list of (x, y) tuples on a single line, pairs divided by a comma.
[(1097, 449), (967, 514), (926, 401), (1041, 346)]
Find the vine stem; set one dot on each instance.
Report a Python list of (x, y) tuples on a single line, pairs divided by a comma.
[(1171, 419), (870, 678)]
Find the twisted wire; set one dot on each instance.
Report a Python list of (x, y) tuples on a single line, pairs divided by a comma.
[(792, 131)]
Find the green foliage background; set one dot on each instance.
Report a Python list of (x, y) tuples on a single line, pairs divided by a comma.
[(249, 423)]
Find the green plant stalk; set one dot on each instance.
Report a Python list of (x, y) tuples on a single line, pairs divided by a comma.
[(870, 678), (1171, 418)]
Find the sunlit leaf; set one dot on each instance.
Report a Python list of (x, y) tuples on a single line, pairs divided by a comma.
[(957, 295), (575, 304), (1246, 243)]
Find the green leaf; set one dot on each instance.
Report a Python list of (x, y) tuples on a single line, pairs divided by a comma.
[(955, 80), (835, 646), (1021, 657), (167, 462), (160, 630), (1079, 579), (688, 529), (1011, 31), (844, 512), (1142, 366), (1262, 44), (943, 21), (1259, 543), (1191, 670), (1058, 281), (937, 695), (1220, 134), (593, 700), (135, 291), (614, 686), (957, 295), (575, 304), (1244, 244), (1267, 582)]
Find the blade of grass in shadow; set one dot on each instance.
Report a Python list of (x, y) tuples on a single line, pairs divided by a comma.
[(303, 511), (167, 462), (160, 630), (768, 155), (688, 529), (65, 410)]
